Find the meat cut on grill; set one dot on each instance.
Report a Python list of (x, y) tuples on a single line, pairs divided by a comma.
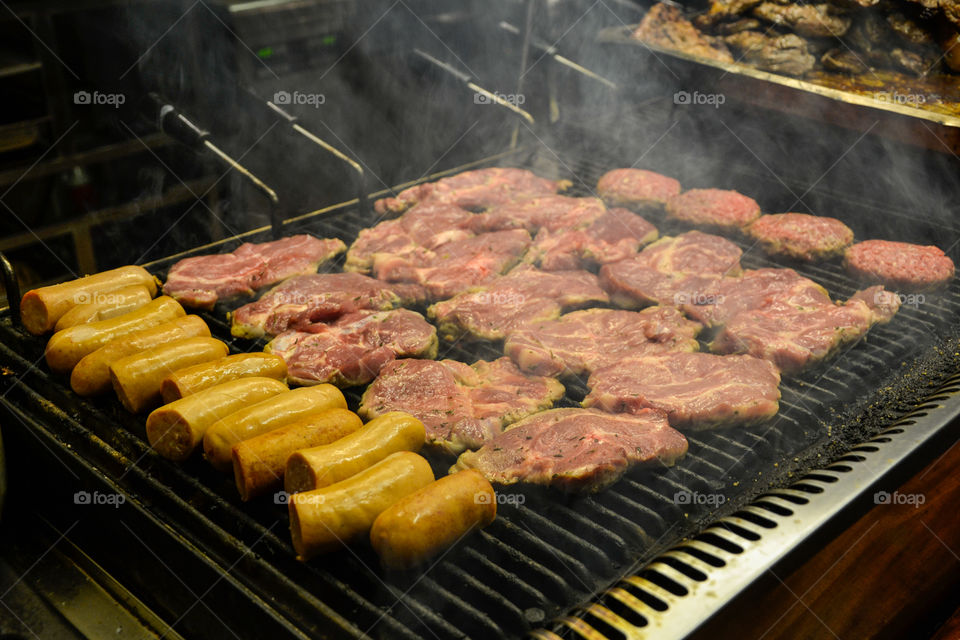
[(899, 265), (636, 188), (616, 235), (801, 236), (784, 53), (810, 20), (553, 213), (462, 406), (664, 26), (695, 390), (352, 349), (576, 449), (456, 266), (671, 271), (202, 281), (479, 189), (717, 208), (581, 342), (522, 296), (303, 300), (795, 338)]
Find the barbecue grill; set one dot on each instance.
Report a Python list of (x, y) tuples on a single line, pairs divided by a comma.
[(662, 549)]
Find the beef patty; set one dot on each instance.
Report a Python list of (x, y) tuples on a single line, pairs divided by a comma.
[(636, 188), (801, 236), (714, 208), (899, 265)]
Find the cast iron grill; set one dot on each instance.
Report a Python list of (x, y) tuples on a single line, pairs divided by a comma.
[(546, 553)]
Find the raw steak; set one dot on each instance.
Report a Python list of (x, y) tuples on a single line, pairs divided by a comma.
[(479, 189), (353, 349), (616, 235), (584, 341), (461, 405), (636, 188), (899, 265), (204, 280), (512, 301), (552, 212), (801, 236), (695, 390), (303, 300), (716, 208), (456, 266), (576, 449)]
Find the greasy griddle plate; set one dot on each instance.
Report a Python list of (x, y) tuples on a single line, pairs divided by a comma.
[(554, 551)]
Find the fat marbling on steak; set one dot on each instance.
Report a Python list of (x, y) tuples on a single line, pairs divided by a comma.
[(576, 449), (352, 349), (202, 281), (715, 208), (552, 213), (899, 265), (671, 271), (801, 236), (514, 300), (581, 342), (695, 390), (303, 300), (462, 406), (616, 235), (456, 266), (478, 189), (636, 188)]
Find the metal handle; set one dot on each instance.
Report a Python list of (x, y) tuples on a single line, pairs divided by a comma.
[(12, 287)]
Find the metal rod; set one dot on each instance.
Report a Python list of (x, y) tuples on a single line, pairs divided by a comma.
[(12, 288), (551, 51), (524, 61)]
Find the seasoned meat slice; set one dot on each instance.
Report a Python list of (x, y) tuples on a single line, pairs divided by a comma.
[(576, 449), (811, 20), (353, 349), (616, 235), (786, 53), (664, 26), (715, 208), (695, 390), (545, 212), (515, 300), (581, 342), (899, 265), (801, 236), (202, 281), (462, 406), (636, 188), (478, 189)]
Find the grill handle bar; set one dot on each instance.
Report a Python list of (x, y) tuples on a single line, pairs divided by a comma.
[(175, 124), (550, 50), (468, 80), (12, 287), (360, 177)]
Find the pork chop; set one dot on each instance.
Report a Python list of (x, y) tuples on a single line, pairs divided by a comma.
[(551, 212), (616, 235)]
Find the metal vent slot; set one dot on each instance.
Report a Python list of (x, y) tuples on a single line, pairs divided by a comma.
[(632, 587), (623, 610), (668, 584), (773, 508), (866, 448), (755, 518), (808, 488), (789, 497), (701, 555), (731, 525), (607, 623), (684, 568), (843, 468), (719, 542)]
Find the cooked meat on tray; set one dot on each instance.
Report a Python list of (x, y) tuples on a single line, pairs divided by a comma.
[(554, 213), (456, 266), (801, 236), (352, 349), (523, 296), (616, 235), (715, 208), (725, 298), (581, 342), (796, 338), (303, 300), (664, 26), (478, 189), (671, 271), (695, 390), (780, 53), (899, 265), (204, 280), (576, 449), (636, 188), (426, 226), (462, 406), (810, 20)]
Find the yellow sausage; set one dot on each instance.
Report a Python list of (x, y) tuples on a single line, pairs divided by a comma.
[(106, 306), (66, 348), (258, 463), (182, 383), (322, 520), (137, 378), (428, 521), (92, 374), (176, 429), (266, 416), (41, 308), (322, 466)]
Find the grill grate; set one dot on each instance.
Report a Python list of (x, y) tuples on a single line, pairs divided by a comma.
[(547, 553)]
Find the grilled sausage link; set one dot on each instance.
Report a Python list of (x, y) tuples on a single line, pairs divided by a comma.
[(137, 378), (265, 416), (325, 465), (322, 520), (41, 308), (175, 430), (105, 306), (424, 523), (259, 463), (92, 374), (66, 348), (184, 382)]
